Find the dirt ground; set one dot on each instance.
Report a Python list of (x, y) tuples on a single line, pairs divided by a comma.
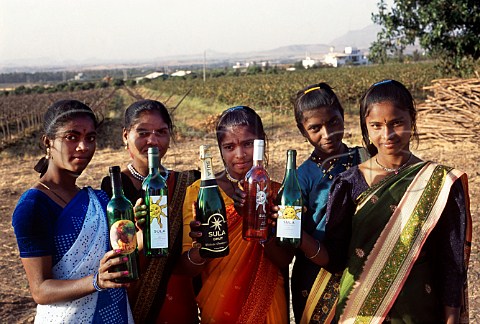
[(17, 175)]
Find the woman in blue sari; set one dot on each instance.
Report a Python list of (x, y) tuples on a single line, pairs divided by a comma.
[(62, 230)]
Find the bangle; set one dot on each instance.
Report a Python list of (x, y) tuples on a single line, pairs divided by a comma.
[(192, 262), (318, 251), (95, 282)]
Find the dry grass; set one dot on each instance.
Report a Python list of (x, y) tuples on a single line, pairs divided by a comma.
[(18, 175)]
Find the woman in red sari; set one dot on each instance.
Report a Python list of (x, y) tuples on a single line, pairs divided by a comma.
[(161, 295), (248, 285)]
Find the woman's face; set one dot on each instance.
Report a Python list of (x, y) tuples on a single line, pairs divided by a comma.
[(74, 145), (150, 130), (389, 128), (323, 128), (237, 150)]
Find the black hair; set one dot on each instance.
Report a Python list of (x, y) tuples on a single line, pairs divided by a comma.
[(313, 97), (133, 112), (240, 116), (56, 116), (386, 91)]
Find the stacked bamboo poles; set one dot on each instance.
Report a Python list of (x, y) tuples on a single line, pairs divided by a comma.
[(452, 114)]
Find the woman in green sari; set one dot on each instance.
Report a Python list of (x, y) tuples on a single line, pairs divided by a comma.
[(398, 227)]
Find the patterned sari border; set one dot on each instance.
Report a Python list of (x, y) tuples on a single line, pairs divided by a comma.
[(401, 240)]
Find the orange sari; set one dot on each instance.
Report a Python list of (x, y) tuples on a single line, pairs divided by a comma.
[(243, 287)]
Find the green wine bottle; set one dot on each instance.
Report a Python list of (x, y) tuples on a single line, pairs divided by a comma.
[(155, 194), (289, 200), (122, 228), (211, 211)]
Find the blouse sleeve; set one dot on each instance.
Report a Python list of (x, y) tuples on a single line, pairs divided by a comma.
[(447, 239), (32, 221), (190, 197), (340, 209)]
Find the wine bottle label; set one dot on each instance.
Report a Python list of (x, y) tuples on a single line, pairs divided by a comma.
[(261, 199), (289, 222), (158, 222), (123, 236), (215, 234)]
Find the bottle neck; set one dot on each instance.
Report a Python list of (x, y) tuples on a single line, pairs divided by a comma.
[(116, 180), (258, 153), (207, 169), (153, 164)]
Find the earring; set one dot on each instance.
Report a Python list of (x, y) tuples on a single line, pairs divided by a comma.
[(126, 146), (47, 154), (369, 141)]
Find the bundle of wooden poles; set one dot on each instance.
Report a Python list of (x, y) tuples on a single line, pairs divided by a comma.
[(452, 113)]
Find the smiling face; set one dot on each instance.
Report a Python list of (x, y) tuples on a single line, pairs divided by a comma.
[(237, 150), (73, 146), (389, 128), (149, 130), (323, 128)]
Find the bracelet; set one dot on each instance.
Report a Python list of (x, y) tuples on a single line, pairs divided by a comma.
[(318, 251), (95, 282), (192, 262)]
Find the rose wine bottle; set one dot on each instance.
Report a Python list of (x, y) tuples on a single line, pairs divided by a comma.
[(155, 194), (211, 211), (122, 228), (289, 200), (257, 186)]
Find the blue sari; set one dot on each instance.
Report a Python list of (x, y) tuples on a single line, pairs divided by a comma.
[(77, 238)]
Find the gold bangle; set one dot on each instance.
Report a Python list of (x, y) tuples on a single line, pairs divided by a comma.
[(192, 262), (318, 251)]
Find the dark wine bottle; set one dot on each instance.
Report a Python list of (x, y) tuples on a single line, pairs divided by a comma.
[(289, 200), (257, 187), (211, 211), (122, 228), (155, 194)]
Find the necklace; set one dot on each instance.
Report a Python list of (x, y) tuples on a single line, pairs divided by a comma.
[(140, 177), (53, 192), (230, 178), (394, 170), (135, 173)]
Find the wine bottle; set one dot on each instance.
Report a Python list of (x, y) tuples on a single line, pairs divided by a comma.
[(155, 194), (289, 200), (257, 187), (210, 211), (122, 228)]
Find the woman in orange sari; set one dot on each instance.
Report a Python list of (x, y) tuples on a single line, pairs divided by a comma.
[(247, 286)]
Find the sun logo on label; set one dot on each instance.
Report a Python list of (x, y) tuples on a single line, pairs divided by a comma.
[(289, 212), (156, 211), (216, 224), (261, 198)]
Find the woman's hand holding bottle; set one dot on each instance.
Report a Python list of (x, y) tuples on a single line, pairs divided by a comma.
[(103, 278)]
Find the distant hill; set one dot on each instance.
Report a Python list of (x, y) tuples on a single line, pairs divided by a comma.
[(360, 39)]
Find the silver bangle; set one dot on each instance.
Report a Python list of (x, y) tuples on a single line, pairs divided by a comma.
[(318, 251), (95, 282), (192, 262)]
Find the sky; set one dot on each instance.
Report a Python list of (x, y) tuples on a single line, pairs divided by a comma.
[(78, 30)]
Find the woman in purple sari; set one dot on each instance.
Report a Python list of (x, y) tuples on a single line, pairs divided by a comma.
[(62, 230)]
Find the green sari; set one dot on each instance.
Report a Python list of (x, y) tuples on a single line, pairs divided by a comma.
[(391, 224)]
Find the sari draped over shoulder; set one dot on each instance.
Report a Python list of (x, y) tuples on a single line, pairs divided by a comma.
[(243, 287), (392, 222), (161, 295), (82, 259)]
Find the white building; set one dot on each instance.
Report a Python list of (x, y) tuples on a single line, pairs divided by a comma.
[(308, 62), (350, 56)]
